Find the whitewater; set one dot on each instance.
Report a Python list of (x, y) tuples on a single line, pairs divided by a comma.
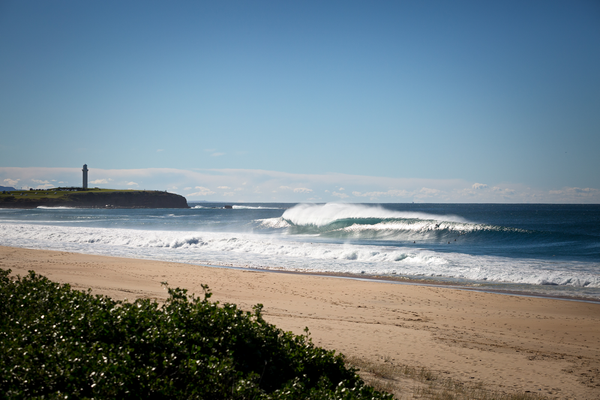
[(544, 249)]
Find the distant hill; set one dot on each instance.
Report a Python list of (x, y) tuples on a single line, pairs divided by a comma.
[(91, 198), (6, 188)]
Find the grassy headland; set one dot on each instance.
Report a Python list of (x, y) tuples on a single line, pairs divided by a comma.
[(91, 198)]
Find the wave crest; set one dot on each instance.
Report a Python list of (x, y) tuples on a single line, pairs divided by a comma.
[(325, 214)]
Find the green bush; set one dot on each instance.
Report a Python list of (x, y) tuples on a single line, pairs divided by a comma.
[(56, 342)]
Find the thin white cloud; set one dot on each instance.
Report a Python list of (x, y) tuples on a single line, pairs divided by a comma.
[(581, 191), (427, 192), (295, 190), (223, 187), (367, 194), (576, 194), (505, 191), (202, 192), (261, 185), (99, 181), (44, 186), (214, 152), (398, 193), (132, 184), (11, 182), (378, 194), (302, 190)]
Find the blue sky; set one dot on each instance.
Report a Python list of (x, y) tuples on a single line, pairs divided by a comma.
[(356, 101)]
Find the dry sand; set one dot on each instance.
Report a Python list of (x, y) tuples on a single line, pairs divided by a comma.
[(509, 343)]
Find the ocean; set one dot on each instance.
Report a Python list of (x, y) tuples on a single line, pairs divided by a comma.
[(531, 248)]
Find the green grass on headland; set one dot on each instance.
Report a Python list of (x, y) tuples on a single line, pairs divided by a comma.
[(58, 342), (91, 198), (58, 193)]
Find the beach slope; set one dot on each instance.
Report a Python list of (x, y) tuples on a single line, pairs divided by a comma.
[(507, 343)]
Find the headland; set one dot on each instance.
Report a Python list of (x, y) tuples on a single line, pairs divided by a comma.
[(91, 198)]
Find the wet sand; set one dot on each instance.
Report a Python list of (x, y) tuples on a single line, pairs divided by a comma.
[(509, 343)]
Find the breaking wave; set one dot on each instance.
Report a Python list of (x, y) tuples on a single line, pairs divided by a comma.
[(360, 222), (275, 252)]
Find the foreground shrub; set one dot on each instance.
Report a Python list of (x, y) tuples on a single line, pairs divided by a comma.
[(58, 342)]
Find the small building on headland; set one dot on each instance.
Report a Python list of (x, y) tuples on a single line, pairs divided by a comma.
[(85, 177)]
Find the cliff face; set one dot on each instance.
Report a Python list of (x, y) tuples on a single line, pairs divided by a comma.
[(142, 199), (98, 199)]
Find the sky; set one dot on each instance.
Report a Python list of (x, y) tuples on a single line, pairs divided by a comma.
[(305, 101)]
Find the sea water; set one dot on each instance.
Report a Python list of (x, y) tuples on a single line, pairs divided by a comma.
[(543, 249)]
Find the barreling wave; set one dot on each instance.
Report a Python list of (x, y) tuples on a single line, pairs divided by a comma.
[(360, 222), (416, 229), (325, 214), (368, 224)]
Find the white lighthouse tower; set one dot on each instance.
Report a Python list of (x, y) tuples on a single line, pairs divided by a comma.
[(85, 171)]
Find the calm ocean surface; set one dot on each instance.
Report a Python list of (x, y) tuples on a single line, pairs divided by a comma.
[(546, 249)]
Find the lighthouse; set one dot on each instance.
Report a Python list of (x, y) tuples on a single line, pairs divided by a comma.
[(85, 171)]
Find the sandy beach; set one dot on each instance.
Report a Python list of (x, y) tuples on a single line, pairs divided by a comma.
[(507, 343)]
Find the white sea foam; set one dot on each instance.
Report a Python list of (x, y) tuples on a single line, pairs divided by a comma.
[(256, 208), (423, 226), (276, 223), (238, 207), (276, 252), (56, 208)]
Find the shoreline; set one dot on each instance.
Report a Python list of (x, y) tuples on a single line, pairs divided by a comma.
[(481, 262), (510, 344), (423, 282), (398, 279)]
